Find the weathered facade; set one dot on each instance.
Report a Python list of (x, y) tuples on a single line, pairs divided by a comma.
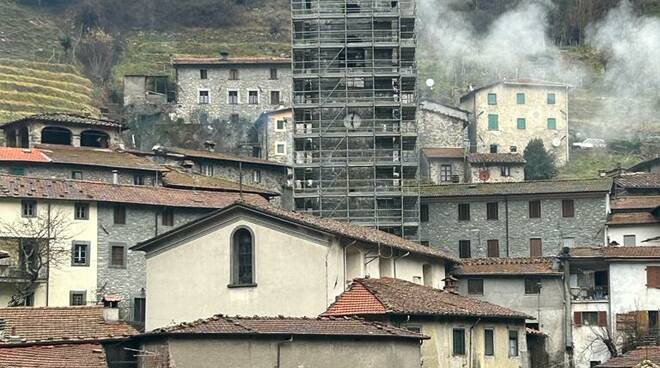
[(275, 136), (443, 165), (441, 126), (496, 167), (634, 220)]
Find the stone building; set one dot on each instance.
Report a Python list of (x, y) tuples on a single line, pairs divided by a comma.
[(230, 88), (515, 219), (441, 126), (443, 165), (649, 166), (146, 89), (508, 114), (496, 168), (634, 220), (275, 136)]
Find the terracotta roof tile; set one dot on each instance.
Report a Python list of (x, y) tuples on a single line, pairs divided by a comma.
[(635, 202), (634, 357), (495, 158), (97, 157), (638, 181), (25, 325), (632, 218), (68, 118), (526, 187), (322, 326), (444, 152), (403, 297), (230, 60), (507, 266), (49, 356), (176, 178), (616, 252), (219, 156), (80, 190), (22, 155)]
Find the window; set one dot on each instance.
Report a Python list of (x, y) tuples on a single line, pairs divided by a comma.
[(463, 212), (203, 74), (232, 97), (475, 286), (464, 248), (413, 328), (653, 320), (489, 342), (256, 176), (552, 123), (280, 125), (424, 213), (273, 73), (493, 246), (492, 99), (590, 319), (629, 240), (520, 98), (459, 341), (513, 149), (505, 171), (425, 243), (493, 123), (118, 256), (532, 285), (445, 173), (77, 175), (493, 148), (280, 148), (535, 247), (513, 343), (568, 208), (233, 74), (29, 208), (77, 298), (274, 97), (206, 168), (568, 242), (522, 123), (81, 211), (167, 217), (253, 97), (653, 277), (119, 214), (492, 211), (234, 118), (594, 363), (534, 209), (80, 253), (139, 309), (203, 97), (242, 257), (138, 179), (551, 98)]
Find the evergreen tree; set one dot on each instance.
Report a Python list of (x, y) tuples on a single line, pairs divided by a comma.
[(540, 163)]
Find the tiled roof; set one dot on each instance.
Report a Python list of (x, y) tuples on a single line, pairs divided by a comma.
[(495, 158), (632, 218), (507, 266), (97, 157), (638, 181), (230, 60), (404, 297), (634, 357), (53, 356), (219, 156), (22, 155), (175, 178), (444, 152), (26, 325), (616, 252), (69, 118), (80, 190), (447, 110), (322, 326), (645, 165), (635, 202), (526, 187)]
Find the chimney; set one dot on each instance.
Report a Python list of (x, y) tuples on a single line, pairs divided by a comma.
[(111, 308), (115, 177), (451, 284), (209, 146)]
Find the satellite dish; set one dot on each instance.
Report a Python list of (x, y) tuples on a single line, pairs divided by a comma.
[(430, 82), (556, 142)]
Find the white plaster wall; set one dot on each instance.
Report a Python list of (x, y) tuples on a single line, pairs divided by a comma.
[(641, 232), (587, 345), (628, 288), (411, 268), (495, 174)]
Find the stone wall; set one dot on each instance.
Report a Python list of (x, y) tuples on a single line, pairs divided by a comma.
[(269, 137), (435, 129), (495, 174), (586, 228), (433, 166), (35, 127), (90, 173)]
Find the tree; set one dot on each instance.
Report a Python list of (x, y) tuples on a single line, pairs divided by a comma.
[(540, 163)]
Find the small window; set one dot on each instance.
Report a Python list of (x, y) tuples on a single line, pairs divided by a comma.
[(80, 254), (551, 98), (492, 211), (653, 277), (77, 298), (568, 208), (513, 149), (513, 343), (167, 217), (458, 336), (253, 97), (203, 74), (203, 97), (425, 243), (275, 98), (242, 257), (520, 98), (138, 179), (256, 176), (532, 285), (464, 249), (505, 171), (29, 208), (535, 247), (119, 214), (280, 148), (590, 318), (206, 168), (493, 246), (568, 242), (493, 122), (475, 286), (463, 212), (424, 213), (489, 342), (139, 309), (552, 124), (234, 118), (493, 148), (280, 125), (492, 99), (81, 211), (445, 173), (413, 328), (534, 209), (77, 175), (629, 240), (273, 73), (522, 123), (653, 320), (594, 363), (233, 74), (232, 97), (118, 256)]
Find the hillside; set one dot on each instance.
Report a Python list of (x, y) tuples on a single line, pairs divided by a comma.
[(28, 33)]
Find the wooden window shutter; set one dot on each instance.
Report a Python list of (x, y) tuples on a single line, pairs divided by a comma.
[(577, 318), (653, 277), (602, 319)]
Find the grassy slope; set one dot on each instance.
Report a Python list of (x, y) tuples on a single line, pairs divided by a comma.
[(28, 33), (586, 164)]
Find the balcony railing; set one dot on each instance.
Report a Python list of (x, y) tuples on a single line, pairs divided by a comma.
[(348, 7), (595, 293)]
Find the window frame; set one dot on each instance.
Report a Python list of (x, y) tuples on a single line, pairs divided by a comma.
[(515, 338), (142, 310), (138, 179), (567, 211), (119, 212), (273, 74), (463, 211), (532, 242), (493, 247), (551, 101), (256, 176), (203, 74), (552, 123), (446, 172), (87, 246), (533, 285), (461, 246), (493, 101), (271, 101), (83, 293), (505, 171), (167, 213), (458, 350), (234, 74), (533, 214), (203, 99), (489, 345), (520, 98), (492, 211), (229, 97), (477, 287), (424, 212), (33, 208), (277, 125), (75, 173), (626, 237), (234, 281), (493, 122), (81, 205), (277, 147), (111, 263), (250, 92), (521, 123)]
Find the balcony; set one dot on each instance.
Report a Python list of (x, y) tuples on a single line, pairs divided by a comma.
[(588, 294)]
